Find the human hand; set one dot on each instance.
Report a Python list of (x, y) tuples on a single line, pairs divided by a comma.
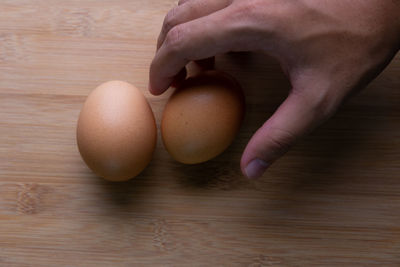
[(328, 49)]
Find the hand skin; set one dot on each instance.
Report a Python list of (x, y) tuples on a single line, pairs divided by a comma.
[(327, 49)]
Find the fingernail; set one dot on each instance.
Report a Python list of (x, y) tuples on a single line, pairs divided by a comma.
[(255, 168)]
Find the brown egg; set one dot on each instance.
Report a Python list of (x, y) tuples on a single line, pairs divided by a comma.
[(116, 132), (202, 117)]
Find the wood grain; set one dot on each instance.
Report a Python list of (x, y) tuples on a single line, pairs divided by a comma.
[(333, 200)]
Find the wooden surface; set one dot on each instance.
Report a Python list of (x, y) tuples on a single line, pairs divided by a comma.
[(333, 200)]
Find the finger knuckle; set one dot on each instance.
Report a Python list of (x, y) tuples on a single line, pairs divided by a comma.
[(247, 19), (243, 10), (170, 20), (174, 39), (261, 17), (280, 141)]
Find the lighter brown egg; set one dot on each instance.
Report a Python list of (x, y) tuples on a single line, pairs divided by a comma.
[(116, 132), (202, 117)]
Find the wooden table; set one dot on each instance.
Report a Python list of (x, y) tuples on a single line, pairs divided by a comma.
[(333, 200)]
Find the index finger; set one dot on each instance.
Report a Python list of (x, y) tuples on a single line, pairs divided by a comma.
[(194, 40)]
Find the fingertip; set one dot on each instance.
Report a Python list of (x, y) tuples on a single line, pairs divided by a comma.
[(255, 168), (252, 165), (174, 82), (153, 90), (157, 84)]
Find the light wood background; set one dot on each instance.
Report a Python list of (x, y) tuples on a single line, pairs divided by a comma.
[(333, 200)]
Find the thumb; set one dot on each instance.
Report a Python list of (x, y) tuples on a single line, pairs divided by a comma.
[(301, 112)]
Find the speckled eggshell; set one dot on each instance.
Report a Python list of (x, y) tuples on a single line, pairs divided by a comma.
[(202, 117)]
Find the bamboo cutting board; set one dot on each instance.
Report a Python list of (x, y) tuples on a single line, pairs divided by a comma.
[(333, 200)]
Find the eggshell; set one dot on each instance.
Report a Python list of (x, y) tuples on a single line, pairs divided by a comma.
[(116, 132), (202, 117)]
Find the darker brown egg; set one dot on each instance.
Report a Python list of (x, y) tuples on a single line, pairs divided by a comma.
[(202, 117)]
